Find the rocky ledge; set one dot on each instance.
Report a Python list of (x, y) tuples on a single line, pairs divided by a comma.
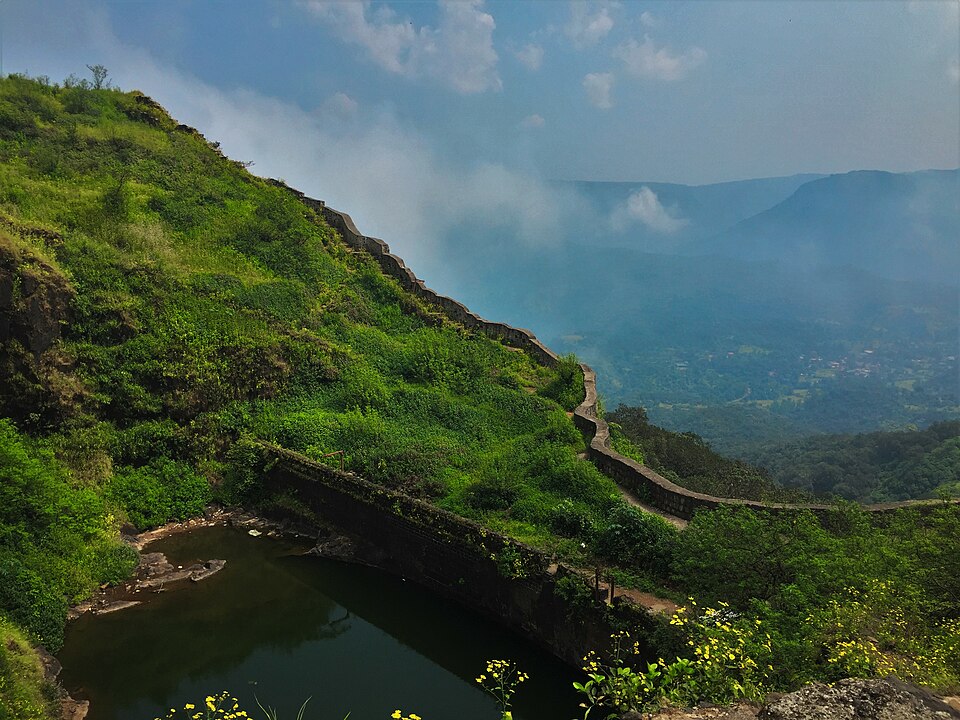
[(860, 700), (850, 699)]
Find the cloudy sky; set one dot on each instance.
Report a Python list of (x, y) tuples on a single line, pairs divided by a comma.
[(385, 107)]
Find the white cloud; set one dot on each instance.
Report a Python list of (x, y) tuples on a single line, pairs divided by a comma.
[(953, 71), (393, 181), (458, 52), (643, 205), (340, 104), (530, 55), (648, 20), (587, 28), (598, 87), (647, 60), (533, 121)]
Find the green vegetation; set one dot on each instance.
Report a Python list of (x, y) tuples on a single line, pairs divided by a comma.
[(57, 541), (883, 588), (872, 467), (160, 303), (684, 458), (24, 694)]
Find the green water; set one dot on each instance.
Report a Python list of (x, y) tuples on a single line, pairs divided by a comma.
[(288, 627)]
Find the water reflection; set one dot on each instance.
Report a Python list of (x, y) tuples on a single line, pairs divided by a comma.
[(287, 627)]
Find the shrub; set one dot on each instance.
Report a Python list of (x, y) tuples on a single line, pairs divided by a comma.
[(29, 600), (24, 692), (161, 491), (630, 537), (566, 388)]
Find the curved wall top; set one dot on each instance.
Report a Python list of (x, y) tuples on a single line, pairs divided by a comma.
[(629, 474)]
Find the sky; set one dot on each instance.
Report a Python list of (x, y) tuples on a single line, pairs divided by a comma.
[(417, 116)]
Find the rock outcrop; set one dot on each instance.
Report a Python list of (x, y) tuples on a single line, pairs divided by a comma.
[(859, 700)]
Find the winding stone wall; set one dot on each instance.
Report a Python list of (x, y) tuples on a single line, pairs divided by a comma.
[(628, 474)]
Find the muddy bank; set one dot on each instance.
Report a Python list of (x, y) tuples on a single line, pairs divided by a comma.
[(154, 573)]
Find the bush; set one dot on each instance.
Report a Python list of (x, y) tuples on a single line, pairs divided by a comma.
[(24, 692), (632, 538), (494, 492), (162, 491), (566, 388), (30, 601)]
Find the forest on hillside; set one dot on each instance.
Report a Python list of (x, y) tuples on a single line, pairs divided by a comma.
[(871, 467)]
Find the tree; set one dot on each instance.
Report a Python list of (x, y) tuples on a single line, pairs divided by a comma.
[(99, 76)]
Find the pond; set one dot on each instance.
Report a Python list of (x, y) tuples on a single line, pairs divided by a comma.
[(286, 627)]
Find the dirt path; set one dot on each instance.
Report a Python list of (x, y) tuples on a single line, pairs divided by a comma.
[(654, 604), (632, 499)]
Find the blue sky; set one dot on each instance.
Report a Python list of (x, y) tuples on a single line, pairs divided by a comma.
[(385, 107)]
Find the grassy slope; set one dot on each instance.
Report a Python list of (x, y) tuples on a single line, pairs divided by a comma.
[(199, 305)]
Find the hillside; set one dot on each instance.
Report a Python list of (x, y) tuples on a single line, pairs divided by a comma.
[(685, 459), (161, 304), (161, 309), (871, 467)]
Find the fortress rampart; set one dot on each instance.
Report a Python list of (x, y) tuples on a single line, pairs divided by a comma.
[(628, 474)]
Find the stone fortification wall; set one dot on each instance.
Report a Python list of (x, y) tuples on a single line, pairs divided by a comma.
[(396, 268), (655, 489), (629, 474), (513, 583)]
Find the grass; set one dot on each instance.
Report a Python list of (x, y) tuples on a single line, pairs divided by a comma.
[(24, 691)]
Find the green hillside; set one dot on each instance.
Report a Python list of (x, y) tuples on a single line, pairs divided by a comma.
[(871, 467), (161, 304), (684, 458)]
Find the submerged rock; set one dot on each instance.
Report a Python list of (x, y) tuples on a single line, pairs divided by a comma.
[(205, 570), (115, 606)]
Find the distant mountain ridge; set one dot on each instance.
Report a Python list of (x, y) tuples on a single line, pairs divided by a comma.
[(897, 226), (707, 209), (683, 318)]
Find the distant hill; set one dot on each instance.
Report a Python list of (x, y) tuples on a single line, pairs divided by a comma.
[(705, 210), (687, 460), (873, 467), (739, 343), (897, 226)]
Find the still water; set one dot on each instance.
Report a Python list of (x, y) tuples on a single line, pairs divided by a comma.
[(288, 627)]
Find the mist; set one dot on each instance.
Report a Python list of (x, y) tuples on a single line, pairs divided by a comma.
[(389, 176)]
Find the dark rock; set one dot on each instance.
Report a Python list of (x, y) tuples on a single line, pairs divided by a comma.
[(335, 547), (859, 700), (205, 570), (153, 565), (51, 666), (71, 709)]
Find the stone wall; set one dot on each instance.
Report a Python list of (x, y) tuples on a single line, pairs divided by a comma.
[(488, 572), (634, 477)]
